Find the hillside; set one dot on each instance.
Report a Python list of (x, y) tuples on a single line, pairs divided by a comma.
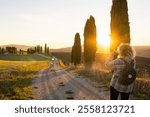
[(142, 51), (67, 49), (30, 57), (23, 47)]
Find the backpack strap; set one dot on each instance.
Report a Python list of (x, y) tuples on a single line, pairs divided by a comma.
[(132, 63), (127, 63)]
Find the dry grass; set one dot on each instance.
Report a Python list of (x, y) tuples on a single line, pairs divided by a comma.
[(142, 88), (101, 75), (16, 76), (62, 64)]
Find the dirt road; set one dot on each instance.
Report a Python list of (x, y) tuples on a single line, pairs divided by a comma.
[(55, 83)]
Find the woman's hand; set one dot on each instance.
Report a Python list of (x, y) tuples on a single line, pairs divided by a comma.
[(115, 54)]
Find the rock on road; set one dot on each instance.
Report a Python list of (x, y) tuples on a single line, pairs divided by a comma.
[(55, 83)]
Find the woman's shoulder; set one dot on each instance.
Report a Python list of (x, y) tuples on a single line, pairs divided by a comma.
[(125, 59), (129, 59), (119, 61)]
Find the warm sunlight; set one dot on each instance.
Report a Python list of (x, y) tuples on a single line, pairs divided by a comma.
[(103, 38), (105, 42)]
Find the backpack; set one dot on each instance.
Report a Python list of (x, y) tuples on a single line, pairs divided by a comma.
[(128, 74)]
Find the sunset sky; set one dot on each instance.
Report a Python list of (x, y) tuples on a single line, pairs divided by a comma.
[(55, 22)]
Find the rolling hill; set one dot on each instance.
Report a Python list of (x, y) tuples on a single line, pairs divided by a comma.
[(142, 51), (67, 49), (23, 47)]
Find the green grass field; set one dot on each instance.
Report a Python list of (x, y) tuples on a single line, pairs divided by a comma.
[(16, 73), (25, 57)]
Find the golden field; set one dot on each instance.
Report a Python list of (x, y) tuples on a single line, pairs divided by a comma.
[(16, 77)]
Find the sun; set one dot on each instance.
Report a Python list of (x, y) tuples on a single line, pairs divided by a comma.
[(103, 38), (104, 42)]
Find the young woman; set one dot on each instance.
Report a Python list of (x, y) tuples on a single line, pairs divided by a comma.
[(116, 64)]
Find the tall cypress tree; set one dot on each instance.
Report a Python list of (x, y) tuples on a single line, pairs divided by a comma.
[(41, 50), (3, 50), (0, 50), (72, 55), (47, 51), (20, 51), (120, 29), (45, 48), (35, 48), (76, 50), (38, 49), (90, 43)]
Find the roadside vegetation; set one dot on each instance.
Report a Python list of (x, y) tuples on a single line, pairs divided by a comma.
[(120, 33), (61, 63), (16, 75), (102, 76)]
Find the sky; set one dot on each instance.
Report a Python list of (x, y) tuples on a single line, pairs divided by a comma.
[(55, 22)]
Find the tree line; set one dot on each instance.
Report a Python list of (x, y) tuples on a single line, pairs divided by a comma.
[(39, 49), (10, 50), (120, 33)]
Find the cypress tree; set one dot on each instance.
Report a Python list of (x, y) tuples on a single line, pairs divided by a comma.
[(28, 51), (45, 48), (76, 50), (20, 51), (120, 29), (72, 54), (90, 44), (38, 49), (3, 50), (35, 49), (41, 49), (47, 51)]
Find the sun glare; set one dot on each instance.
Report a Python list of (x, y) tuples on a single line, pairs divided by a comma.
[(103, 38), (104, 42)]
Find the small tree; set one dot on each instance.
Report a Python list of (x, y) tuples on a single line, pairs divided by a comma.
[(3, 50), (120, 29), (90, 43), (20, 51), (45, 48), (35, 48), (38, 48), (76, 50), (72, 54), (28, 51), (11, 50), (41, 50)]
